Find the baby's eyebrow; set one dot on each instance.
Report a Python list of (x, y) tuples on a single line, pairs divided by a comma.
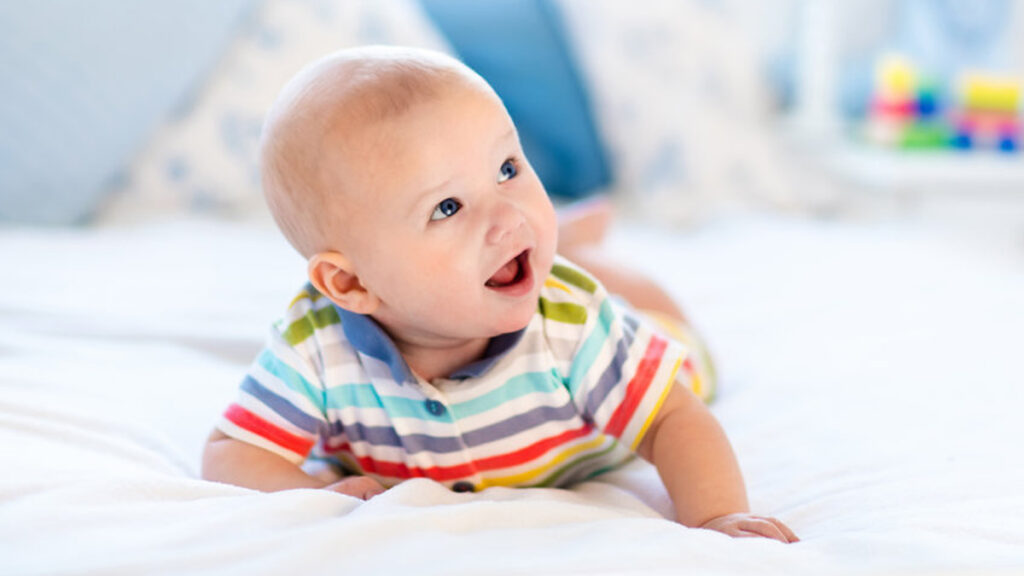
[(432, 191), (426, 194), (507, 135)]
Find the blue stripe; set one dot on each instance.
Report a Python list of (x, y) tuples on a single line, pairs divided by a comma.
[(281, 406), (388, 436), (415, 443), (411, 443), (353, 395), (497, 347), (366, 396), (612, 376), (521, 422), (631, 322), (292, 379), (591, 348), (367, 337), (515, 387)]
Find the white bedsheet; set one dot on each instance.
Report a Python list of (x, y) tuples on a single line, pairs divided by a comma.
[(872, 387)]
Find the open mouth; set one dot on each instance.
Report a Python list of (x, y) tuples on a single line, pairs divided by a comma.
[(514, 273)]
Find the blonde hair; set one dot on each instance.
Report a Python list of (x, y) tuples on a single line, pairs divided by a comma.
[(348, 88)]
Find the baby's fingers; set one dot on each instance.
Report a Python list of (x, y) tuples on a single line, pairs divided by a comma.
[(743, 525), (362, 487), (767, 528), (789, 534)]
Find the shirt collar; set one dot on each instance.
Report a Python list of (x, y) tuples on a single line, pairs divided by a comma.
[(367, 337)]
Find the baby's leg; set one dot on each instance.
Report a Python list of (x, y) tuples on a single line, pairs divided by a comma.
[(698, 370), (581, 229), (640, 291)]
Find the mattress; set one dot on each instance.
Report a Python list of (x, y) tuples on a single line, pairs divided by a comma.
[(870, 384)]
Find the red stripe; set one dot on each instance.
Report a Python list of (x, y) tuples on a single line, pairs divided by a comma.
[(253, 423), (688, 366), (532, 451), (444, 473), (403, 471), (637, 388)]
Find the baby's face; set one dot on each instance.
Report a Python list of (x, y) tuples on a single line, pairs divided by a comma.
[(449, 224)]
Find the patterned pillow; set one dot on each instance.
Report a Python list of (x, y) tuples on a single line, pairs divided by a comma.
[(85, 83), (206, 160), (682, 107)]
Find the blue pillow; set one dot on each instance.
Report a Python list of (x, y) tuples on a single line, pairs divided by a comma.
[(84, 84), (520, 48)]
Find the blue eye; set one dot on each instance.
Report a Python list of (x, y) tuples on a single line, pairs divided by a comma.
[(446, 208), (508, 170)]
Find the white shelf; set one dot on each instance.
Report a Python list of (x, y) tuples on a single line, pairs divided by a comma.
[(923, 171)]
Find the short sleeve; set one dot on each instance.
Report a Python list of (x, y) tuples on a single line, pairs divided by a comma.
[(622, 368), (281, 404)]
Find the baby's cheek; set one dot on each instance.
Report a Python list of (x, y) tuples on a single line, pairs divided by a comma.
[(549, 240), (546, 224)]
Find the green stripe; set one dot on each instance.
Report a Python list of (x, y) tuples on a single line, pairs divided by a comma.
[(574, 277), (565, 312), (304, 327), (309, 293), (292, 379), (553, 478), (515, 387), (711, 382), (604, 470), (591, 347)]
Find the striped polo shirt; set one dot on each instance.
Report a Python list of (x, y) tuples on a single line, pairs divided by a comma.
[(568, 397)]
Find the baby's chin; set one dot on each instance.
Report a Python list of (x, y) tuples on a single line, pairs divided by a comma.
[(515, 322)]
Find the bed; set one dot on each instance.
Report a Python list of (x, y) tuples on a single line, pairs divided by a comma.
[(869, 364), (870, 385)]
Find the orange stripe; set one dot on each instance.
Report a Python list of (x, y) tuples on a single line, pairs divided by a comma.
[(637, 387), (253, 423)]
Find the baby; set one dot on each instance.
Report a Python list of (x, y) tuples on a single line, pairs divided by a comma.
[(440, 336)]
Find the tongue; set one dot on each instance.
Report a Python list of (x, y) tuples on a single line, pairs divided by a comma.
[(506, 275)]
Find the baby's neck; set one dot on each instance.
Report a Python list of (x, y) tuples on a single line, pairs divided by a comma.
[(430, 361)]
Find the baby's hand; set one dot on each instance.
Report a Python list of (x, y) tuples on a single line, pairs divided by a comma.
[(749, 526), (362, 487)]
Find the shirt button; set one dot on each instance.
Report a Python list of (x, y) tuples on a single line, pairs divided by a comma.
[(463, 486), (434, 407)]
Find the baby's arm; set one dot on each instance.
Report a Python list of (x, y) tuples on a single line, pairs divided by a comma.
[(700, 472), (235, 462)]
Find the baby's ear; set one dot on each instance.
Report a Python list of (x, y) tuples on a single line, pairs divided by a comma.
[(331, 274)]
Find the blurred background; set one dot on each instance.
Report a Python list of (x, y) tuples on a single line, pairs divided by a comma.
[(116, 112)]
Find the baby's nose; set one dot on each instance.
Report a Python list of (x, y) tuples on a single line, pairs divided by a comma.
[(506, 220)]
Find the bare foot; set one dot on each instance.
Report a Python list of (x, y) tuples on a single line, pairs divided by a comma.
[(583, 223), (582, 227), (618, 278)]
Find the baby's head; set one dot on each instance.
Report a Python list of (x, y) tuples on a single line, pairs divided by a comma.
[(399, 175)]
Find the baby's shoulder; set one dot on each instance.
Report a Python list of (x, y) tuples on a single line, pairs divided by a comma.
[(570, 294), (308, 313)]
